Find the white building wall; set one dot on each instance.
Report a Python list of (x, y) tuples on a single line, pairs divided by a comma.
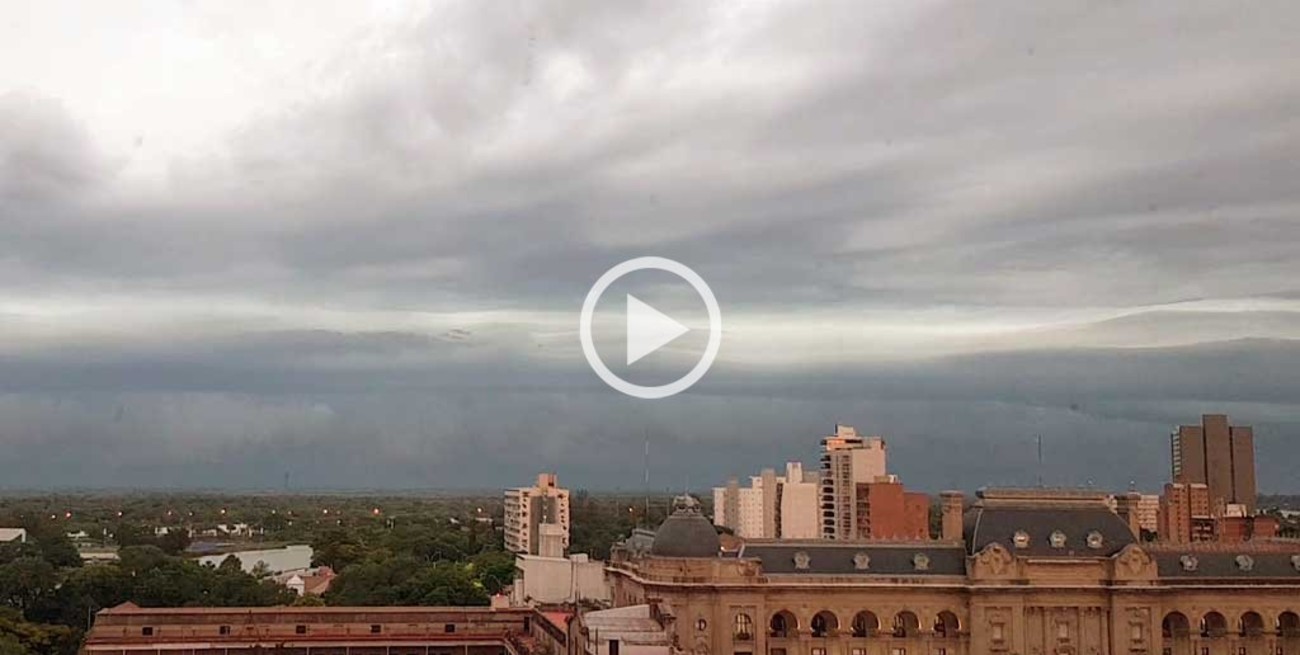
[(549, 580), (278, 560), (799, 516), (751, 511)]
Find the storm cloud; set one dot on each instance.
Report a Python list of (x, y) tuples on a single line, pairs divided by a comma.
[(352, 243)]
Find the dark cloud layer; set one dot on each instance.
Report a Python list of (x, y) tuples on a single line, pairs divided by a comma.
[(1078, 219)]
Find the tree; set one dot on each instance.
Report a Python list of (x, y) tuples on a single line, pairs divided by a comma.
[(494, 570), (20, 637), (25, 582)]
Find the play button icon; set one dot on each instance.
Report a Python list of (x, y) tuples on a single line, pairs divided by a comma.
[(649, 329)]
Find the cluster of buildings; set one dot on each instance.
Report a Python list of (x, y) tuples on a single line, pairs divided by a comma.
[(1008, 572), (851, 496), (1211, 495)]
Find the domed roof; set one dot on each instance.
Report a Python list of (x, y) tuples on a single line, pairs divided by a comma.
[(686, 533)]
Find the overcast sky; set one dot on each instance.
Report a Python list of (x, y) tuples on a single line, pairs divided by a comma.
[(350, 240)]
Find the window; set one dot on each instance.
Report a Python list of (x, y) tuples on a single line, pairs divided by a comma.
[(449, 628), (613, 647), (1058, 539), (300, 629), (857, 651), (223, 630), (1135, 632), (146, 631), (997, 632), (1062, 630), (375, 628), (743, 628), (1095, 540)]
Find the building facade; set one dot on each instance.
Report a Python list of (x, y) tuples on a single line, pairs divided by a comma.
[(527, 508), (1219, 456), (1034, 573), (847, 460), (772, 506), (887, 511), (131, 630)]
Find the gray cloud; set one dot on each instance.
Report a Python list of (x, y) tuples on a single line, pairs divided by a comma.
[(1068, 170)]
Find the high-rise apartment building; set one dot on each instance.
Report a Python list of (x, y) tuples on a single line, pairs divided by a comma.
[(1185, 513), (848, 460), (1219, 456), (771, 507), (528, 508)]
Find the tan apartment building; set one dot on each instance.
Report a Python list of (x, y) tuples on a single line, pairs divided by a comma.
[(847, 460), (527, 508)]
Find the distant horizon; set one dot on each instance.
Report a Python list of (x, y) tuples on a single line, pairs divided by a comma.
[(354, 241)]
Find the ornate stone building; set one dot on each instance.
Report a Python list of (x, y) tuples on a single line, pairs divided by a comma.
[(1030, 573)]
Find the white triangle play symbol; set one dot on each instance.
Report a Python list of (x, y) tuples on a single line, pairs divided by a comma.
[(648, 329)]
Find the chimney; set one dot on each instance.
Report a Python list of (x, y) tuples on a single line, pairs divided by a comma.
[(1126, 506), (952, 504)]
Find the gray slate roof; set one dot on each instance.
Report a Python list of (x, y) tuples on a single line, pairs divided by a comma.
[(838, 558), (1224, 565), (986, 525)]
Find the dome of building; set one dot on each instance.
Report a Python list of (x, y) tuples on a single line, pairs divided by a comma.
[(686, 533)]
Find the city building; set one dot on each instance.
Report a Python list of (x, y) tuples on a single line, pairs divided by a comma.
[(1148, 512), (131, 630), (294, 558), (1140, 511), (772, 506), (1034, 571), (550, 581), (1219, 456), (860, 499), (550, 578), (18, 535), (312, 582), (797, 506), (886, 511), (1185, 513), (527, 508)]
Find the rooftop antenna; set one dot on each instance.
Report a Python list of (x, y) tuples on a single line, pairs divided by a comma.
[(1040, 461), (646, 516)]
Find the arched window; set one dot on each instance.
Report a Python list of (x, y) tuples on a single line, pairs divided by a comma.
[(946, 625), (1252, 625), (1175, 626), (865, 624), (742, 628), (824, 624), (906, 624), (1288, 624), (1213, 625), (783, 625)]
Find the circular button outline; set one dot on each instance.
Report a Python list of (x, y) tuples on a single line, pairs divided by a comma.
[(710, 349)]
